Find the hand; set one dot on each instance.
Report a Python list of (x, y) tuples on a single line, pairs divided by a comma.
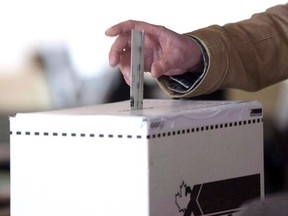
[(165, 52)]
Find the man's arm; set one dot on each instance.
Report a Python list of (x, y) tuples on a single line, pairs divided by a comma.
[(248, 55)]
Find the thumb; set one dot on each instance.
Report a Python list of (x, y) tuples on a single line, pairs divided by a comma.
[(156, 70), (165, 66), (159, 68)]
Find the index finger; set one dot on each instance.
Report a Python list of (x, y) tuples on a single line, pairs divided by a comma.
[(125, 27)]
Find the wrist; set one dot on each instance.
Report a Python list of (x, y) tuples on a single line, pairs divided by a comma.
[(203, 61)]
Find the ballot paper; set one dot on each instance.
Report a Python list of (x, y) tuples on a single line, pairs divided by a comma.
[(137, 70)]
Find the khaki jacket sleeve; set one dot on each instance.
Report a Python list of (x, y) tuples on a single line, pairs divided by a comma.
[(249, 55)]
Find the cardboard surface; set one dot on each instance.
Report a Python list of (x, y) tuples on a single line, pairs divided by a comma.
[(174, 157)]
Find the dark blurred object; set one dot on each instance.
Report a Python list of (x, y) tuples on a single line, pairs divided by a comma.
[(275, 160), (4, 144), (274, 205), (5, 212), (4, 167), (121, 90), (4, 157), (4, 203)]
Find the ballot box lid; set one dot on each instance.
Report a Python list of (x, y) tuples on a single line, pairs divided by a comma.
[(155, 114)]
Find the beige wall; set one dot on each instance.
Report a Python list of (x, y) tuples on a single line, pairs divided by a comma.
[(268, 97)]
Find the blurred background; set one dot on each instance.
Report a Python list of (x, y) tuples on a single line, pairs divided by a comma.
[(54, 54)]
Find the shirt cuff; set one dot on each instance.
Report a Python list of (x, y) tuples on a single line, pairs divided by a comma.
[(186, 82)]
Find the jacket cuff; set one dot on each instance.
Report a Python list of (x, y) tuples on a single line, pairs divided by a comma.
[(184, 83)]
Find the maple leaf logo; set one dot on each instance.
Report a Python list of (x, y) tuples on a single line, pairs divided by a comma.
[(183, 197)]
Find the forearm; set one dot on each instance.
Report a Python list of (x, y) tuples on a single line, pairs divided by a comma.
[(248, 55)]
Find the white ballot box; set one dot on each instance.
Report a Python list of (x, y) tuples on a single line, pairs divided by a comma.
[(172, 158)]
